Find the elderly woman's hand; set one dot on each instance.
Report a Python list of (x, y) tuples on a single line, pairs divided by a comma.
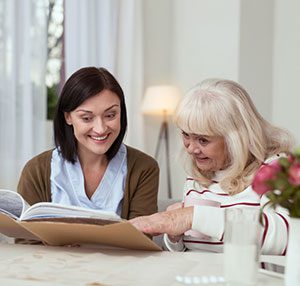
[(175, 206), (174, 222)]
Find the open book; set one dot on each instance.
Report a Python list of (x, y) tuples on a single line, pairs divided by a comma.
[(58, 224), (12, 204)]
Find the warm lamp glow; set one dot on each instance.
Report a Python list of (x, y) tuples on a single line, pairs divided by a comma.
[(161, 99)]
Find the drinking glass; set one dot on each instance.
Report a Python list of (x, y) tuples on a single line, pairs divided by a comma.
[(241, 246)]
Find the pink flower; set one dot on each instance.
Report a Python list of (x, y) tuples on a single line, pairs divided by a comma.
[(275, 165), (291, 159), (265, 174), (294, 174)]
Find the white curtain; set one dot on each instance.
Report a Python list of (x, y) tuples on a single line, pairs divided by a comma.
[(108, 33), (23, 52)]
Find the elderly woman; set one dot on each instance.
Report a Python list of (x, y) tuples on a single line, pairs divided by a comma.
[(226, 141)]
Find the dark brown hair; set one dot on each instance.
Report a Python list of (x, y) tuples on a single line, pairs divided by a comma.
[(83, 84)]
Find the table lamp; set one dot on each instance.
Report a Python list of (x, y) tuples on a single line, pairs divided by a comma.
[(161, 100)]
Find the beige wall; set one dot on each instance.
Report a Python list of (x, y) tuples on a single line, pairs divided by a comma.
[(286, 92)]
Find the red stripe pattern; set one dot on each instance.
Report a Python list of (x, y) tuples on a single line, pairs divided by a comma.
[(203, 242), (265, 229), (205, 191), (287, 230), (242, 204)]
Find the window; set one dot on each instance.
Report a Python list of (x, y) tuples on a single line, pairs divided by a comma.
[(55, 52)]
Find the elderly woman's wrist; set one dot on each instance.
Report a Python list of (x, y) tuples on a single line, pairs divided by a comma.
[(189, 217)]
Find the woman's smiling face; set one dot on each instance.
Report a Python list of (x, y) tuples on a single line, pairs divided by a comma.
[(208, 152), (96, 123)]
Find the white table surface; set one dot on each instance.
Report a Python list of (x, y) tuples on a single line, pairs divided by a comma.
[(46, 265)]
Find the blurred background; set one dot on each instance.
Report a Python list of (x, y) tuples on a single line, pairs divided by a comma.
[(144, 43)]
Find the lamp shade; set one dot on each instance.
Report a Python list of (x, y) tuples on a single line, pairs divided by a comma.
[(161, 99)]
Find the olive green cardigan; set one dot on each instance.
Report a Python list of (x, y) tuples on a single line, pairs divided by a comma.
[(140, 196)]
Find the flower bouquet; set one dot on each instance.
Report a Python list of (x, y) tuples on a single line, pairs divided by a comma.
[(280, 181)]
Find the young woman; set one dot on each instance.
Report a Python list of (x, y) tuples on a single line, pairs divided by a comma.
[(90, 166)]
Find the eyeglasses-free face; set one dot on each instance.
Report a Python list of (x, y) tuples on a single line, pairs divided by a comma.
[(208, 152), (96, 123)]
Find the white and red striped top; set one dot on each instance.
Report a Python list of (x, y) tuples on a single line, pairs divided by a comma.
[(209, 221)]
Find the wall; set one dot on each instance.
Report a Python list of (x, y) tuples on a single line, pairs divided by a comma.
[(256, 52), (206, 40), (286, 94)]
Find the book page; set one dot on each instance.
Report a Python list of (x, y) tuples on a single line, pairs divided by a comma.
[(53, 210), (81, 220), (12, 204)]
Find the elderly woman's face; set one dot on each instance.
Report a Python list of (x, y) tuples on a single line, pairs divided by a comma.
[(209, 152)]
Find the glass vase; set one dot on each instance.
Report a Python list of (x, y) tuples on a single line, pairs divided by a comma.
[(292, 274)]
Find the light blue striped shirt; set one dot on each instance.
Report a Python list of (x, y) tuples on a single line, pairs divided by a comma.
[(67, 183)]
